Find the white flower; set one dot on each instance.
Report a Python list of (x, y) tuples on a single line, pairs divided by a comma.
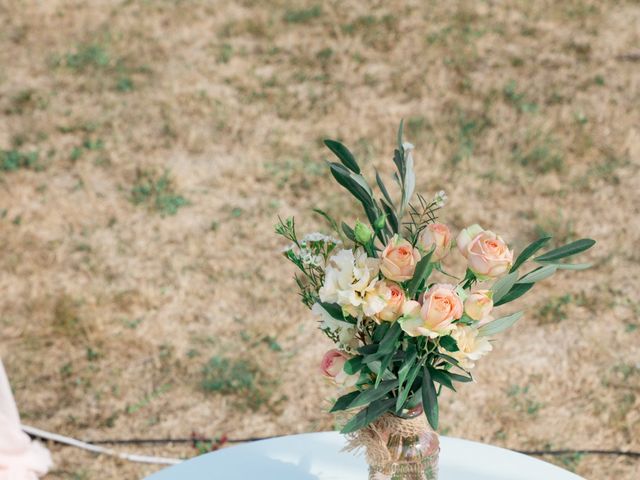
[(308, 258), (351, 281), (471, 346), (319, 237), (440, 198), (288, 248)]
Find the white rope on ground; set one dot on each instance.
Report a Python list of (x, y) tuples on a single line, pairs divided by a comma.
[(36, 432)]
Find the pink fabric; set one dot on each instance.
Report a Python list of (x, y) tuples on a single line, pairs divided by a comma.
[(20, 458)]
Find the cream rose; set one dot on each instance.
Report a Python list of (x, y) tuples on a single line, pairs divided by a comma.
[(332, 366), (478, 304), (399, 259), (471, 346), (395, 300), (487, 254), (440, 307), (436, 235)]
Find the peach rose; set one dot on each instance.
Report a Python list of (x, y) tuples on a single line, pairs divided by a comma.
[(436, 235), (478, 304), (399, 259), (440, 307), (487, 254), (332, 366), (395, 300)]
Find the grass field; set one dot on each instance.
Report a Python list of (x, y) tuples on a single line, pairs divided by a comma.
[(147, 147)]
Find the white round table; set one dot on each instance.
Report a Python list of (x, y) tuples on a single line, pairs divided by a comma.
[(318, 456)]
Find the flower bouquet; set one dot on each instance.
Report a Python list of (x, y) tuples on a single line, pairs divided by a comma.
[(400, 337)]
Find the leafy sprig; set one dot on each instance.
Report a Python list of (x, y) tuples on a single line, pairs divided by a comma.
[(421, 216)]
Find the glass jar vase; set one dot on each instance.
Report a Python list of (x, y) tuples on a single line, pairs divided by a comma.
[(402, 448)]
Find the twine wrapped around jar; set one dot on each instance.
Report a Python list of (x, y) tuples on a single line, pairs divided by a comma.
[(398, 448)]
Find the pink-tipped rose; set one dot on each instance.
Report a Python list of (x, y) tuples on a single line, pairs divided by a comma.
[(436, 235), (395, 300), (487, 254), (478, 305), (399, 259), (332, 367)]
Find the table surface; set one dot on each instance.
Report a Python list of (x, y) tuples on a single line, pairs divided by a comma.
[(318, 456)]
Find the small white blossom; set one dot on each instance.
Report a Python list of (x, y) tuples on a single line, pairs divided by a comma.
[(319, 237), (440, 198), (308, 258), (288, 248)]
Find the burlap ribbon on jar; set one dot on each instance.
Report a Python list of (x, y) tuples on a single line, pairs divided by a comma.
[(374, 437)]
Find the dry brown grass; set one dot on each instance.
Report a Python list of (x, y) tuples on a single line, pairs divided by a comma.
[(525, 112)]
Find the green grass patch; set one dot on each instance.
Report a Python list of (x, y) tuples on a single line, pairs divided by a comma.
[(521, 400), (158, 192), (124, 84), (147, 399), (87, 56), (225, 53), (554, 310), (542, 155), (518, 99), (11, 160), (241, 378), (470, 126), (303, 15)]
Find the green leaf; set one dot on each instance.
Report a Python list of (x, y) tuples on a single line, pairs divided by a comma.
[(348, 231), (343, 402), (373, 213), (568, 250), (380, 331), (429, 399), (391, 216), (384, 364), (409, 359), (368, 349), (442, 377), (449, 343), (460, 378), (404, 391), (351, 182), (343, 153), (333, 309), (409, 183), (400, 133), (569, 266), (366, 416), (328, 218), (516, 291), (503, 285), (450, 359), (398, 159), (538, 274), (389, 341), (376, 368), (353, 365), (383, 189), (421, 273), (529, 251), (499, 325), (373, 394)]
